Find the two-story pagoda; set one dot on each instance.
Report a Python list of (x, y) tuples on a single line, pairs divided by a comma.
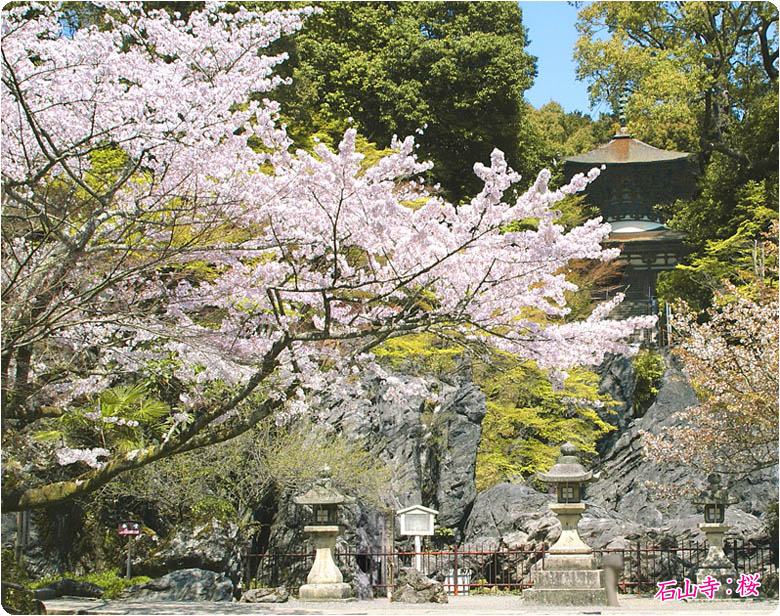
[(636, 178)]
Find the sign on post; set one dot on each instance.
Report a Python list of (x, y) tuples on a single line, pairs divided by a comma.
[(417, 521), (129, 528)]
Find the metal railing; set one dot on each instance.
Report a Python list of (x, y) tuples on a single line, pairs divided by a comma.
[(468, 569)]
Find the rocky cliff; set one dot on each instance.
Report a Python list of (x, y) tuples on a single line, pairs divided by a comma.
[(621, 508)]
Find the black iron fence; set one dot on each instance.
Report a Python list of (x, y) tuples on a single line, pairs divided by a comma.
[(467, 569)]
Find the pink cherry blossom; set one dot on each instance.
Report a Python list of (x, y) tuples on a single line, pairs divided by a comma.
[(312, 260)]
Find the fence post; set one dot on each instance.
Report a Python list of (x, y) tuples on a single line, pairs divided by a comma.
[(734, 552), (455, 569), (638, 566)]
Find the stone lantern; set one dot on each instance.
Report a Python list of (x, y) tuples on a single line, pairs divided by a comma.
[(324, 582), (715, 499), (568, 575), (568, 477)]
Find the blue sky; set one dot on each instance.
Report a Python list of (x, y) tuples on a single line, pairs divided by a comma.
[(552, 34)]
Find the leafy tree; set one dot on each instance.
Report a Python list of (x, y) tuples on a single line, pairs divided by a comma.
[(527, 419), (232, 479), (703, 78), (566, 134), (232, 282), (732, 361), (458, 69)]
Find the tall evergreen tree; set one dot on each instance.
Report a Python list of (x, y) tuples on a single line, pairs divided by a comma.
[(459, 69)]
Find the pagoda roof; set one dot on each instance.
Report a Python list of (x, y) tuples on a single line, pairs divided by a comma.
[(625, 149)]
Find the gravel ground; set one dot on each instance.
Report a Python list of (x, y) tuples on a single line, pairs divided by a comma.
[(466, 605)]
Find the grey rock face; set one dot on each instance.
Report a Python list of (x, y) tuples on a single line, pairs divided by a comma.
[(213, 545), (434, 452), (621, 508), (183, 585), (413, 587), (624, 470), (616, 379), (456, 488)]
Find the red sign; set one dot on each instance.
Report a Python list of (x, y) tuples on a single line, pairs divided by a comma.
[(130, 528)]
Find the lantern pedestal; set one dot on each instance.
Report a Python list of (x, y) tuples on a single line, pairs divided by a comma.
[(716, 565), (324, 582), (569, 552)]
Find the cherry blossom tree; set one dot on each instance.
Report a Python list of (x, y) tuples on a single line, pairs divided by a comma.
[(172, 273), (732, 362)]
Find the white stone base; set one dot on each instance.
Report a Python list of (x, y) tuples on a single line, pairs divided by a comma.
[(325, 592)]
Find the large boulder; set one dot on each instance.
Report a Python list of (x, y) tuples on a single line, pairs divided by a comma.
[(214, 545), (515, 514), (183, 585), (413, 587)]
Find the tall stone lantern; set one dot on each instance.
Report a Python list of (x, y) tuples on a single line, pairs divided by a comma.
[(324, 582), (568, 477), (568, 575), (715, 498)]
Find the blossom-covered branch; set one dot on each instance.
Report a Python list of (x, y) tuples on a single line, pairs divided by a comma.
[(158, 232)]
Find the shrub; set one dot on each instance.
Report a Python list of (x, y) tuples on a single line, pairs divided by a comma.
[(110, 581)]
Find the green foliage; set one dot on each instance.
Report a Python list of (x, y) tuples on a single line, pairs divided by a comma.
[(213, 507), (458, 67), (295, 455), (111, 581), (526, 419), (15, 600), (12, 570), (124, 417), (739, 259), (648, 370), (230, 480), (419, 353)]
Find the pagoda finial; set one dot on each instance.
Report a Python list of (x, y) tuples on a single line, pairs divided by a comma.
[(622, 102)]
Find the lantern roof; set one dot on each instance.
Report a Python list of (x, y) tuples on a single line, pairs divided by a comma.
[(625, 149), (715, 493), (323, 492), (567, 469)]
